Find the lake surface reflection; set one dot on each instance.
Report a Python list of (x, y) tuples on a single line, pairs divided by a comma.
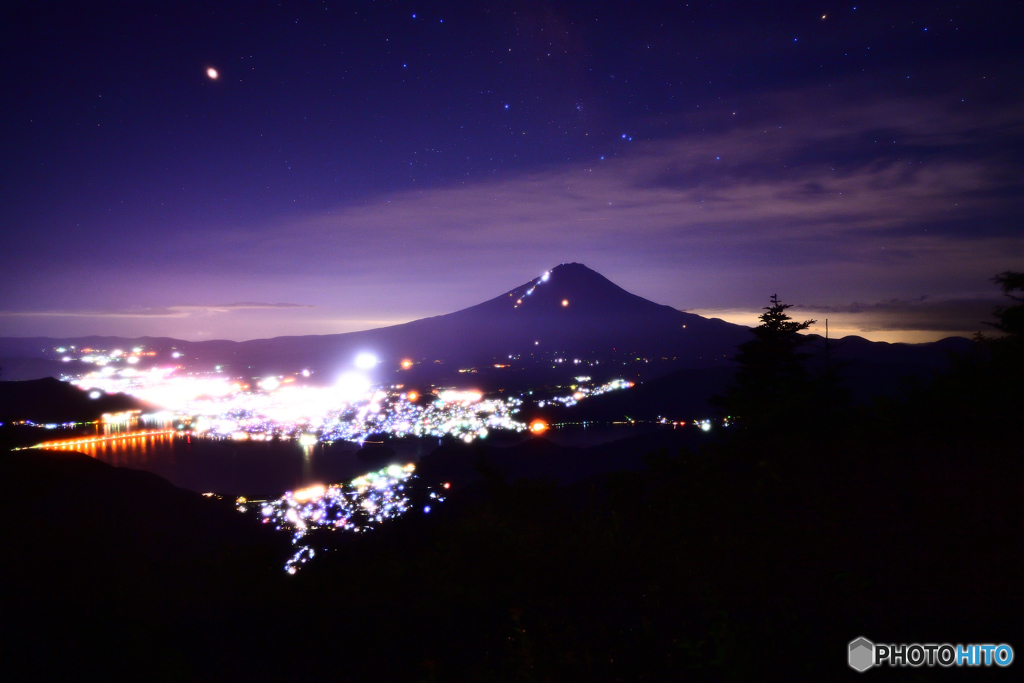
[(241, 468), (254, 468)]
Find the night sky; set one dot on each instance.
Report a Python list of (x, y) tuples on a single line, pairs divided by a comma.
[(358, 164)]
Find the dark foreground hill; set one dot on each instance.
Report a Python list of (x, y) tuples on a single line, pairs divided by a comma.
[(50, 400), (114, 573), (863, 368), (725, 560)]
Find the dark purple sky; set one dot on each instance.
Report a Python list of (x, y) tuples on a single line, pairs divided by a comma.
[(357, 164)]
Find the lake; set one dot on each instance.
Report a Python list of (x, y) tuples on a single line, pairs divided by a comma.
[(256, 468)]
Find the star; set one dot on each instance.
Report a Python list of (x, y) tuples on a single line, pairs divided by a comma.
[(212, 73)]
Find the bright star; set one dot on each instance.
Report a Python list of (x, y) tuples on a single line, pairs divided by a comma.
[(212, 73)]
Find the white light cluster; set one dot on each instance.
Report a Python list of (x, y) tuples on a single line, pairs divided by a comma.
[(161, 386), (280, 407), (103, 357), (581, 392), (543, 278), (362, 504), (284, 407)]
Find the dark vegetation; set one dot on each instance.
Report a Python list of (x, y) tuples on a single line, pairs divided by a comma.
[(50, 400), (755, 556)]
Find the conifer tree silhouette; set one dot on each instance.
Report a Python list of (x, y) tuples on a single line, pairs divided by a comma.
[(771, 382)]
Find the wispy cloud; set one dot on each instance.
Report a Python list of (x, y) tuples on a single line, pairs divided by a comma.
[(827, 195), (832, 189), (178, 311), (909, 320), (924, 313)]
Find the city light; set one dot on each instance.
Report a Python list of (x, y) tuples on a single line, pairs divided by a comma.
[(356, 507), (218, 406), (351, 386), (353, 409), (66, 444), (366, 361)]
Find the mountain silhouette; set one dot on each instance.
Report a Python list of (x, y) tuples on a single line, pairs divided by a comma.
[(569, 321), (570, 312)]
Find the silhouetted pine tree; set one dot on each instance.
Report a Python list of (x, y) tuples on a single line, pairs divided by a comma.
[(1005, 376), (1011, 318), (771, 385), (977, 402)]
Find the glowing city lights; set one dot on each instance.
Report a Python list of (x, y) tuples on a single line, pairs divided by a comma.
[(72, 444), (358, 506), (216, 406), (352, 385), (464, 397), (366, 361)]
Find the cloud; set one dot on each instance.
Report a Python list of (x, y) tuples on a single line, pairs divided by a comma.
[(827, 194), (177, 311), (924, 313), (815, 181), (819, 193)]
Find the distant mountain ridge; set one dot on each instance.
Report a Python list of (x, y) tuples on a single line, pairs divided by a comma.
[(570, 320), (569, 311)]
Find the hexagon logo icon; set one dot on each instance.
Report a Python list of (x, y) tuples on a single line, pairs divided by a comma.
[(862, 654)]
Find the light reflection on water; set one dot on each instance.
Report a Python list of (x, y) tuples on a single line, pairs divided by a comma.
[(267, 468), (137, 452), (232, 467)]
